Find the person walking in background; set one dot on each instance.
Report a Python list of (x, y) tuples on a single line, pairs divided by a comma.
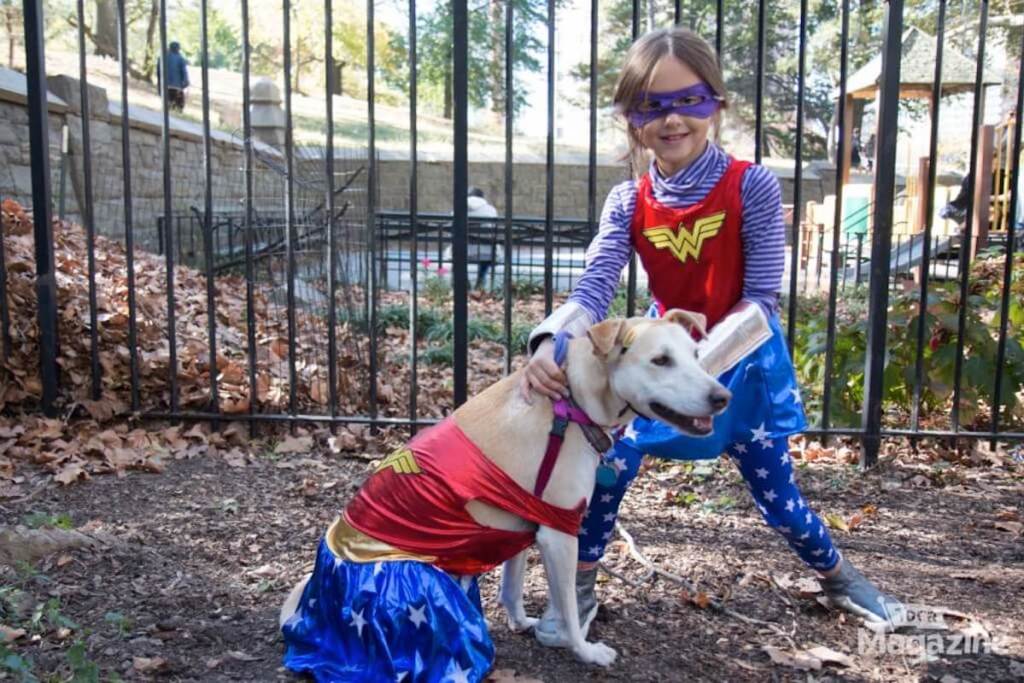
[(484, 252), (482, 246), (177, 76)]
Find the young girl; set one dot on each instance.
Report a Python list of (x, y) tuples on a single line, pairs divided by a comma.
[(709, 232)]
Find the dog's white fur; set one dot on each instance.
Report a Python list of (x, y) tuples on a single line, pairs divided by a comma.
[(622, 365)]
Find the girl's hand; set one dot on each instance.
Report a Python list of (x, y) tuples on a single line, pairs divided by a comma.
[(543, 375)]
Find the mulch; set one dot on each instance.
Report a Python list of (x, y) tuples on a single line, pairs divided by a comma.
[(198, 559)]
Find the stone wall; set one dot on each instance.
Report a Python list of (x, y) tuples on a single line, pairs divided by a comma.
[(435, 180), (435, 176), (145, 158), (530, 181), (15, 166)]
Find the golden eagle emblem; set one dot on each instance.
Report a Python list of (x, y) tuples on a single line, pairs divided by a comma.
[(686, 243), (401, 461)]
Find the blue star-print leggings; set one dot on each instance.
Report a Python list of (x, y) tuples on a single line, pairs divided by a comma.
[(769, 473)]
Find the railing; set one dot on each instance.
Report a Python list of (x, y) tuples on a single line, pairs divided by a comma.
[(355, 261)]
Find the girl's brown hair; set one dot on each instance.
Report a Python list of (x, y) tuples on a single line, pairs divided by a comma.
[(638, 72)]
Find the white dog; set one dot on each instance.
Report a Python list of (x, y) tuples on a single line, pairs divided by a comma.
[(408, 616)]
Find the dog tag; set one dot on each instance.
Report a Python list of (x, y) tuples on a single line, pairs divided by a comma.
[(606, 476)]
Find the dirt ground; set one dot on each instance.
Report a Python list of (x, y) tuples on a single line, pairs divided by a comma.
[(199, 558)]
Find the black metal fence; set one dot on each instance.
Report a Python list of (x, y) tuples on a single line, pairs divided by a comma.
[(358, 260)]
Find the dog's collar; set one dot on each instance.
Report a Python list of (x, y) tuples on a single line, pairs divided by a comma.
[(596, 434)]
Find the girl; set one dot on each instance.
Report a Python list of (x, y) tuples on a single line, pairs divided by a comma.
[(709, 232)]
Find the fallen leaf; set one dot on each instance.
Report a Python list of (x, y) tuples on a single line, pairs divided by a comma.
[(309, 487), (836, 522), (701, 599), (344, 441), (148, 664), (295, 444), (830, 656), (793, 659), (235, 458), (197, 432), (8, 634), (855, 521), (979, 575), (71, 473), (811, 659)]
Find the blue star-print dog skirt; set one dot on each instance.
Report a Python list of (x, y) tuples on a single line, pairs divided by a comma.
[(388, 621)]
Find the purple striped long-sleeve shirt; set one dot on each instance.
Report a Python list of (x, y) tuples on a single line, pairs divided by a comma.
[(763, 232)]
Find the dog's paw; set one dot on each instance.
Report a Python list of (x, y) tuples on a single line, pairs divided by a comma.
[(521, 623), (595, 653)]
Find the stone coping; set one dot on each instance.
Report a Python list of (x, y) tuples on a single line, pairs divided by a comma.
[(14, 88), (147, 119)]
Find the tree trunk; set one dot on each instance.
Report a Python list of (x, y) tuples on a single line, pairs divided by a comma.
[(496, 68), (9, 21), (149, 63), (104, 33), (830, 139), (298, 68), (448, 94)]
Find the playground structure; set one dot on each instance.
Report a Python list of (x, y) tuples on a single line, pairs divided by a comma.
[(821, 239)]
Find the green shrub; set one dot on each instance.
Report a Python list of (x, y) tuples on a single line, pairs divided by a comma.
[(941, 323), (438, 354)]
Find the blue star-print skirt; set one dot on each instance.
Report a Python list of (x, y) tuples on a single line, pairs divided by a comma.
[(765, 402), (387, 621)]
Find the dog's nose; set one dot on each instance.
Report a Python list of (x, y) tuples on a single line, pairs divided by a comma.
[(719, 399)]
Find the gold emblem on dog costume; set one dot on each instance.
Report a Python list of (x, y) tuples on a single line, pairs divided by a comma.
[(401, 461), (686, 243)]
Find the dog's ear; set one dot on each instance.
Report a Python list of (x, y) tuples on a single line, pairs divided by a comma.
[(606, 335), (695, 323)]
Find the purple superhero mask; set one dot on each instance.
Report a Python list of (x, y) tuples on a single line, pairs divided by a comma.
[(698, 101)]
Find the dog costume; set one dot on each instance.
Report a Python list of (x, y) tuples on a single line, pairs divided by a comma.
[(394, 596)]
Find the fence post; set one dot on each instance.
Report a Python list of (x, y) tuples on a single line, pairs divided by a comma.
[(881, 240), (459, 189), (39, 141), (983, 190)]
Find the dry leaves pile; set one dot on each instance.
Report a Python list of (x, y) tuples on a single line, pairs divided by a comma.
[(191, 329), (83, 442)]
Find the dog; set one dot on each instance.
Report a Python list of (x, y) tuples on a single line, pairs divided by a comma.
[(622, 368)]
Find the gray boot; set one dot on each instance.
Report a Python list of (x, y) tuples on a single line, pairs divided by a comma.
[(550, 630), (850, 591)]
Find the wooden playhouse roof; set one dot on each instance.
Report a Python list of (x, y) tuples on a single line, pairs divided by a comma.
[(918, 70)]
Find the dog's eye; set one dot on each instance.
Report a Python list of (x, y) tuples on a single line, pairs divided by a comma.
[(664, 360)]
